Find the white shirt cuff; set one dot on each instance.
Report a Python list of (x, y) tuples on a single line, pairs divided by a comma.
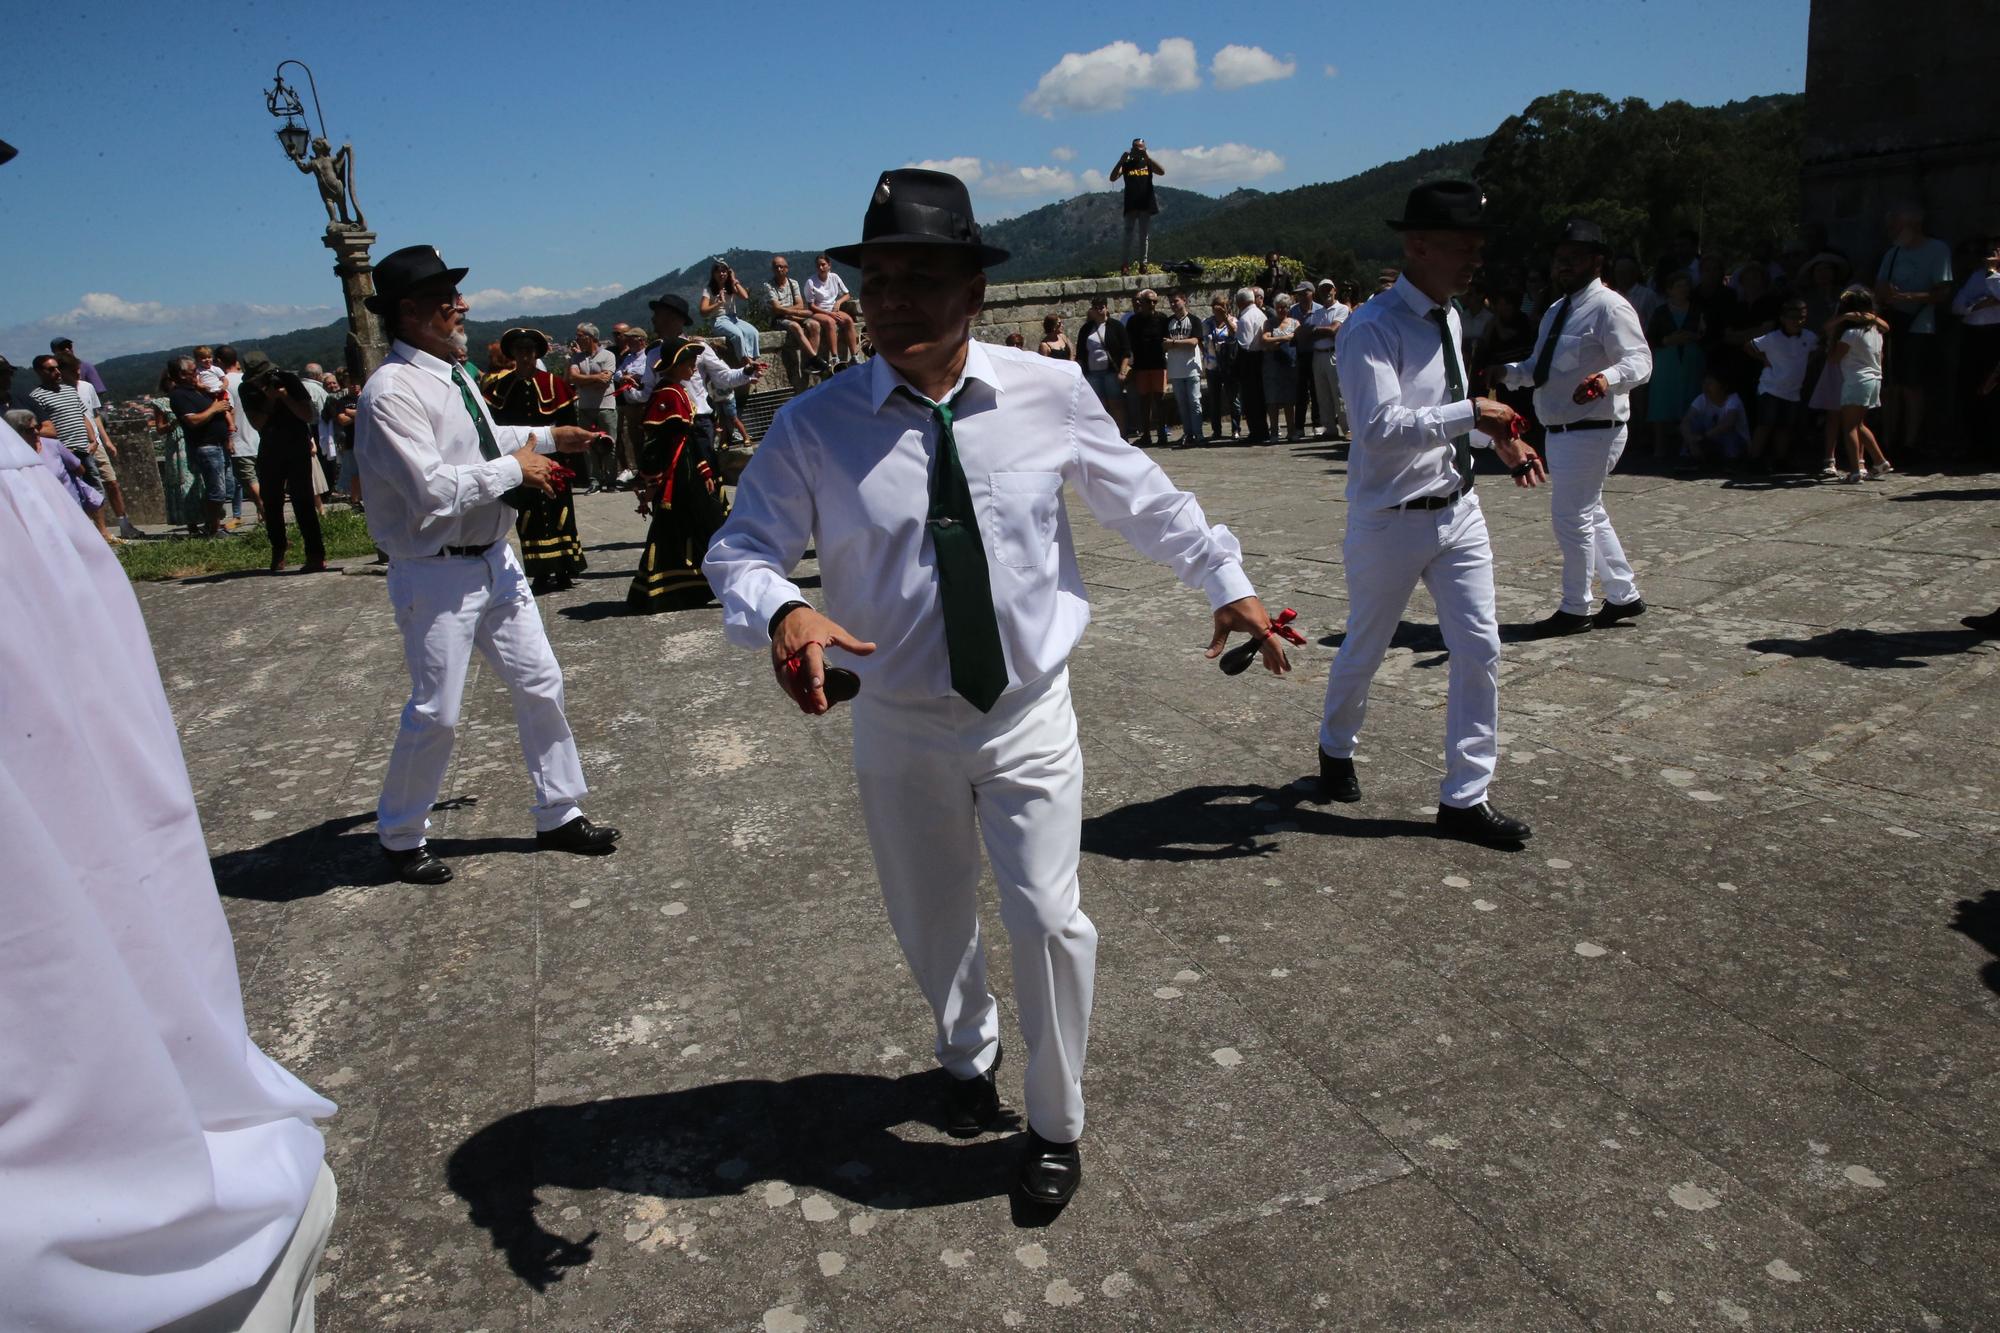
[(1457, 419), (782, 591), (1225, 584)]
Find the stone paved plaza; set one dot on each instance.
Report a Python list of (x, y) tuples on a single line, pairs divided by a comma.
[(1717, 1050)]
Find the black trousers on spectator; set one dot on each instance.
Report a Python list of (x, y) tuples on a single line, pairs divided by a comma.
[(1221, 397), (1250, 381), (1978, 356), (1305, 396), (280, 477)]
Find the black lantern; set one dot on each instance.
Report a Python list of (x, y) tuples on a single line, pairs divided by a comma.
[(296, 138)]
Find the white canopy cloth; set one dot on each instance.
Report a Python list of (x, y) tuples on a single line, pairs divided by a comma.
[(152, 1159)]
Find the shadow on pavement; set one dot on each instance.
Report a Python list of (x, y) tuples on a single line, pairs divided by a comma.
[(1978, 493), (1869, 650), (1216, 823), (1418, 638), (333, 854), (1978, 920), (832, 1133)]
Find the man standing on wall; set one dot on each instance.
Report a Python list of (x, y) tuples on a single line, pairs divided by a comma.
[(1137, 169)]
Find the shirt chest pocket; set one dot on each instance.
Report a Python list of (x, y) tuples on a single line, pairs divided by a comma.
[(1571, 348), (1022, 521)]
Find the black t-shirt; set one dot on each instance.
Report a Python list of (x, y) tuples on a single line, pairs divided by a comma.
[(283, 436), (1147, 333), (189, 400), (1138, 176)]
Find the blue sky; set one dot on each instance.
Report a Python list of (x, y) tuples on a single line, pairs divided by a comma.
[(564, 152)]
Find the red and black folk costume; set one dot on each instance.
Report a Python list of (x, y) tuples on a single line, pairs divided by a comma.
[(551, 550), (680, 483)]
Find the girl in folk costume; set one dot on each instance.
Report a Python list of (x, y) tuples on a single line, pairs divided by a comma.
[(524, 396), (678, 481)]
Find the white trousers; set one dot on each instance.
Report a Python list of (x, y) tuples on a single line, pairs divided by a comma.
[(1386, 552), (1326, 387), (937, 775), (445, 607), (1579, 461), (283, 1299)]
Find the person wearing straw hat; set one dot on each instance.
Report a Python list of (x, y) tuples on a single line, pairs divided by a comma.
[(930, 482), (1589, 357), (523, 395), (1411, 510), (441, 477)]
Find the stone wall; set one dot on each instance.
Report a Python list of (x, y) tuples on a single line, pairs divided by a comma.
[(138, 467), (1019, 307)]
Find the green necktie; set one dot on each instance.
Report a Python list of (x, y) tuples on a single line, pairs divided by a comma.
[(1454, 378), (965, 592), (489, 448)]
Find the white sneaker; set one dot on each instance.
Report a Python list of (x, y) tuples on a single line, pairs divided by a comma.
[(1829, 473), (625, 477), (126, 529), (1854, 477)]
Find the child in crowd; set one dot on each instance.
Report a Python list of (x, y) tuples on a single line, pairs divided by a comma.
[(1784, 352), (1858, 354), (1714, 424), (207, 374)]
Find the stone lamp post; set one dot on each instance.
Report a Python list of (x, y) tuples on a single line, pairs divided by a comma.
[(347, 233)]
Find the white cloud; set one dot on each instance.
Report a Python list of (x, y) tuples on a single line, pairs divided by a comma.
[(1241, 66), (1063, 154), (105, 324), (1028, 182), (1224, 164), (1105, 79), (967, 169), (1333, 71), (497, 303)]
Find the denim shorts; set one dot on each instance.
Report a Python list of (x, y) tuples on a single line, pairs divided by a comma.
[(206, 461), (1105, 384)]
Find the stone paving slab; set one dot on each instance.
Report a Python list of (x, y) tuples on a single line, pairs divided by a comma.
[(1719, 1049)]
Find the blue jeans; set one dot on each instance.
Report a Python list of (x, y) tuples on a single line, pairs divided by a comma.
[(742, 336), (207, 462), (1187, 397)]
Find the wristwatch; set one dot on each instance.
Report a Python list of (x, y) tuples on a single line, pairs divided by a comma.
[(778, 616)]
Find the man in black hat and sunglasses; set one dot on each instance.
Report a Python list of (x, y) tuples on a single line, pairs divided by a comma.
[(930, 482), (1588, 357), (1411, 510), (440, 475)]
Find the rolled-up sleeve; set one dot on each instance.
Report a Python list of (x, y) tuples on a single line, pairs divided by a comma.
[(1374, 397), (1130, 494), (750, 561)]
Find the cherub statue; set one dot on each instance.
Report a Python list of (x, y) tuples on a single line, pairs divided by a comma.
[(334, 174)]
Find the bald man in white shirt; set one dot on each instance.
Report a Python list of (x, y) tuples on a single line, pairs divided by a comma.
[(930, 482)]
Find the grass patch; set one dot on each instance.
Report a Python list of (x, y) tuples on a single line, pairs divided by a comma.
[(345, 531)]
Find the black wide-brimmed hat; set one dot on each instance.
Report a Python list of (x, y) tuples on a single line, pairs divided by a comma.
[(1578, 231), (912, 206), (540, 339), (673, 301), (1443, 206), (405, 271)]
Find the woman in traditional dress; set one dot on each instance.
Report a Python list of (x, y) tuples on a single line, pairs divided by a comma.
[(522, 395), (678, 481)]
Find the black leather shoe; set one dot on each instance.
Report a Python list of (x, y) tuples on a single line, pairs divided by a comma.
[(417, 866), (1613, 612), (579, 836), (1337, 781), (1482, 824), (1558, 624), (1049, 1173), (972, 1105)]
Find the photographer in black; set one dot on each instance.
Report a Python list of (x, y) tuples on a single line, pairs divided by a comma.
[(282, 411)]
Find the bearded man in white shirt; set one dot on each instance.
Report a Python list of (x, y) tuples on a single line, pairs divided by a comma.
[(1411, 510), (438, 474), (930, 482)]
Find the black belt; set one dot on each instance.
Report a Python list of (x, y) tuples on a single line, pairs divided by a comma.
[(1606, 424), (474, 551), (1433, 501)]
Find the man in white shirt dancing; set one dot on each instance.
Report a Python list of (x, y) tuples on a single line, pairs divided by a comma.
[(438, 481), (931, 483), (1411, 511)]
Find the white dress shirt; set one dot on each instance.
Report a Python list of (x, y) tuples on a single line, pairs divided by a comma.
[(1249, 327), (1981, 283), (428, 487), (1392, 374), (710, 371), (1601, 337), (846, 470), (825, 295)]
